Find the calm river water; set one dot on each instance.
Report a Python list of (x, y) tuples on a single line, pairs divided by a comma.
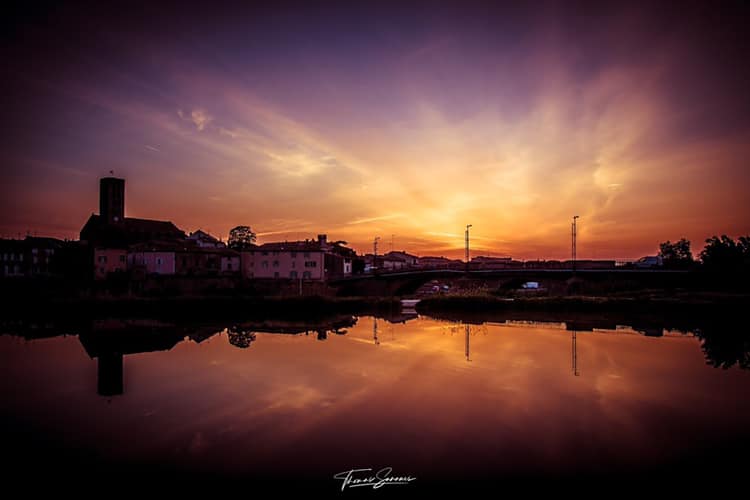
[(437, 401)]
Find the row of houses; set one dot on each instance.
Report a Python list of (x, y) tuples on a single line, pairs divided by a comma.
[(29, 257), (312, 260), (316, 260)]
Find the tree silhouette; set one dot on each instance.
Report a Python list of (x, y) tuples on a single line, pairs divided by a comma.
[(725, 343), (677, 254), (726, 254), (241, 237)]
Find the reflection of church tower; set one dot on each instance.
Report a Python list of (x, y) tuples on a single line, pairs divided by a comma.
[(109, 376), (108, 341), (112, 199)]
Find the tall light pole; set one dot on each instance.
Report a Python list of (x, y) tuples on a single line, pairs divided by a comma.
[(573, 242), (375, 253), (467, 246)]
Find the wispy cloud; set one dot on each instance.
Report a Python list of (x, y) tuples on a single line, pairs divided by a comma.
[(197, 117), (376, 219)]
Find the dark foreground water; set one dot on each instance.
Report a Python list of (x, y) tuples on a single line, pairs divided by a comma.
[(119, 402)]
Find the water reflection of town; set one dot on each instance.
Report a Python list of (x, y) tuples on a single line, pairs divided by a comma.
[(109, 341)]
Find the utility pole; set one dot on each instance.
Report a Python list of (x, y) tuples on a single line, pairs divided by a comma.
[(467, 246), (573, 242), (375, 253)]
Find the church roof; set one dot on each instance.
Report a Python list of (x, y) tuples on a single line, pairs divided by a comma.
[(129, 230)]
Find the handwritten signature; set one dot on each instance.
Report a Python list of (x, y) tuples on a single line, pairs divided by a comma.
[(365, 477)]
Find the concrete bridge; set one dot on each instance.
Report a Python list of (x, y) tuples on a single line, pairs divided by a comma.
[(407, 282)]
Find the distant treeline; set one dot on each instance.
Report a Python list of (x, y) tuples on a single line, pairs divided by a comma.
[(720, 254)]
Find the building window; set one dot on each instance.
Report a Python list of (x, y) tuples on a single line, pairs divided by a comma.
[(264, 253), (293, 275), (102, 259), (306, 275), (276, 275), (311, 263), (158, 261), (122, 258), (276, 263), (306, 255), (275, 254), (294, 263), (264, 264), (229, 266), (294, 255)]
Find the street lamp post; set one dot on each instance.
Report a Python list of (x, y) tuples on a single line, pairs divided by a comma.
[(573, 242), (375, 254), (467, 246)]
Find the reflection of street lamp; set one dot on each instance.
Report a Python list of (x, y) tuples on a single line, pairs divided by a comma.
[(466, 346), (467, 246), (574, 352), (573, 242)]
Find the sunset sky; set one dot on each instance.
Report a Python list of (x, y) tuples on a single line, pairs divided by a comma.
[(361, 120)]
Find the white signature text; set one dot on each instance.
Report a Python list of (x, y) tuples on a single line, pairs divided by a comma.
[(366, 477)]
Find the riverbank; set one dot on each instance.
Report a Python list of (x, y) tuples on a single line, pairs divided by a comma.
[(629, 302), (203, 307), (677, 309), (254, 306)]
